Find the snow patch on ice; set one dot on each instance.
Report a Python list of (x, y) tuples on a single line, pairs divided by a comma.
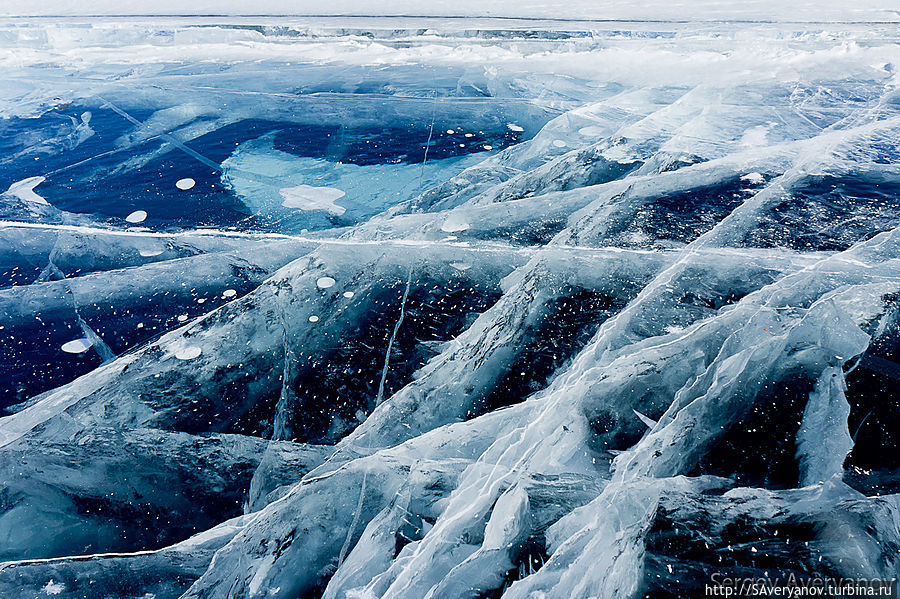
[(754, 178), (53, 588), (755, 136)]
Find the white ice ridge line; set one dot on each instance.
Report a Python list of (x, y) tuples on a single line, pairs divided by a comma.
[(482, 247), (79, 558), (387, 354)]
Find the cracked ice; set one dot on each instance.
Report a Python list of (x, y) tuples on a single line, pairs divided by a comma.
[(419, 307)]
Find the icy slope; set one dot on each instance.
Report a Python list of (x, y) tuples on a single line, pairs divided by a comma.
[(598, 311)]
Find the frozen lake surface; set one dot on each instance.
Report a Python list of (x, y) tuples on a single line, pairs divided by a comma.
[(521, 301)]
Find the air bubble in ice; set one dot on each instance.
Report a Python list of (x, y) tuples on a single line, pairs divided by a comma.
[(76, 346), (189, 353), (138, 216)]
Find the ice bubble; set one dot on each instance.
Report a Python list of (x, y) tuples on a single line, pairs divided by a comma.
[(189, 353), (185, 183), (559, 143), (450, 131), (76, 346), (229, 293), (325, 282), (514, 127), (487, 147), (314, 318), (348, 294), (591, 131), (138, 216), (182, 317), (150, 253)]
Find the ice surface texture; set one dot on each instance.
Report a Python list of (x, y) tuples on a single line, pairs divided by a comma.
[(413, 308)]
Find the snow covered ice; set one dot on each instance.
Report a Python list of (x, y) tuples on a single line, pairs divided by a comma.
[(526, 301)]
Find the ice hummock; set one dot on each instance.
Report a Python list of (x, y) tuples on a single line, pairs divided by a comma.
[(448, 311)]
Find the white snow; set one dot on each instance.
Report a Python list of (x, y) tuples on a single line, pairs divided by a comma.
[(53, 588), (754, 178)]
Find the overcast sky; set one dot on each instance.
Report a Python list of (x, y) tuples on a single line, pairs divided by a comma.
[(777, 10)]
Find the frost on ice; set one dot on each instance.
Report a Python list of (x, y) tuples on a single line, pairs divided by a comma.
[(449, 311)]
